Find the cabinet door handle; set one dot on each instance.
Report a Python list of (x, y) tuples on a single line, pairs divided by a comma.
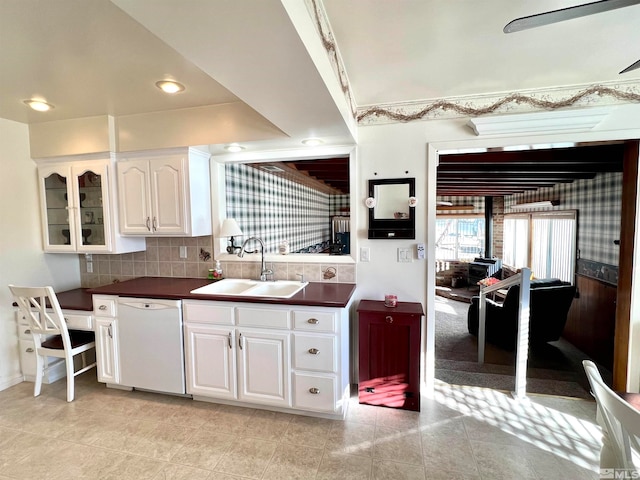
[(155, 224), (314, 351), (313, 321), (27, 331), (109, 332), (229, 338), (240, 341), (148, 224), (389, 319), (29, 350), (102, 307), (314, 391)]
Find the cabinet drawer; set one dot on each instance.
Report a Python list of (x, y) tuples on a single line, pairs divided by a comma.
[(262, 317), (314, 392), (104, 306), (314, 321), (78, 321), (315, 352), (24, 332), (27, 357), (21, 319), (207, 312)]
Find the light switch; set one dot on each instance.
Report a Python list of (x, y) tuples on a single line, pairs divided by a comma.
[(404, 255), (364, 254), (421, 253), (183, 252)]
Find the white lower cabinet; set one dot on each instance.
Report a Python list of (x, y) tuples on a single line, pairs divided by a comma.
[(106, 331), (106, 350), (210, 361), (263, 367), (290, 358)]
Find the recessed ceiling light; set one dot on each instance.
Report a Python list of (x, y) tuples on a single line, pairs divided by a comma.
[(233, 148), (39, 105), (312, 142), (169, 86)]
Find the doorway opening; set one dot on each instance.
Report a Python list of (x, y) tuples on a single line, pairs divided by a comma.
[(566, 240)]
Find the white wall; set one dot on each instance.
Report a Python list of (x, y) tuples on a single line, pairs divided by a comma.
[(22, 261)]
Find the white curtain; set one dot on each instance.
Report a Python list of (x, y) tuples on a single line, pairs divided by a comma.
[(515, 241), (549, 239)]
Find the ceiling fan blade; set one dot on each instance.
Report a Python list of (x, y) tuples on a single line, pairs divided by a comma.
[(564, 14), (633, 66)]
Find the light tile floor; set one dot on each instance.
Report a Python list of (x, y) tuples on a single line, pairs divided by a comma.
[(462, 433)]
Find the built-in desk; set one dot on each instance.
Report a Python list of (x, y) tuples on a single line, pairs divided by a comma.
[(77, 308)]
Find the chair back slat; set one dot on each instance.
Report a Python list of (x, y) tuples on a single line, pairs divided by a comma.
[(620, 419), (41, 308)]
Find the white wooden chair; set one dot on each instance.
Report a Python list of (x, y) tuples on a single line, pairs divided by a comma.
[(620, 424), (50, 334)]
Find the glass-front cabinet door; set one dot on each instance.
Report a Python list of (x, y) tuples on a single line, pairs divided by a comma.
[(57, 221), (74, 216), (90, 211)]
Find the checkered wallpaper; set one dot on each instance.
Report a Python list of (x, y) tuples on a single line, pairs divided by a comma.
[(275, 209), (339, 205), (598, 203)]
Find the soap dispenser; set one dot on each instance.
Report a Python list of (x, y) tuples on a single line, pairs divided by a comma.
[(217, 272)]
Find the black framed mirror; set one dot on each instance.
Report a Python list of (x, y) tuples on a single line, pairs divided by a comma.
[(391, 215)]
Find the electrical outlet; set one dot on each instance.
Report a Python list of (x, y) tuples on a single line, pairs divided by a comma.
[(364, 254), (183, 252), (89, 267), (404, 255)]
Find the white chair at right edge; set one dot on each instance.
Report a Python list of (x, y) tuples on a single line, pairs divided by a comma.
[(620, 424)]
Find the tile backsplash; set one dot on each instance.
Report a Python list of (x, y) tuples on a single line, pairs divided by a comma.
[(162, 259)]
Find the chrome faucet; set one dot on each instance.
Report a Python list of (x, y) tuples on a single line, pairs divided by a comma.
[(264, 271)]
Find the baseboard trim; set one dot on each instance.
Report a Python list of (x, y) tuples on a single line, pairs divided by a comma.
[(11, 382)]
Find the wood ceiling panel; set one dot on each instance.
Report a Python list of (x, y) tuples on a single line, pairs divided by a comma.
[(329, 175), (500, 173)]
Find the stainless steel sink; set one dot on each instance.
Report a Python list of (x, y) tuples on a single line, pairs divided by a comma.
[(251, 288)]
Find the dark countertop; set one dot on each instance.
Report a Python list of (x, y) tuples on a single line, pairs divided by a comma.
[(314, 294), (76, 299)]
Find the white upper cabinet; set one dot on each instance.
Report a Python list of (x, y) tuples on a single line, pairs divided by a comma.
[(77, 198), (165, 193)]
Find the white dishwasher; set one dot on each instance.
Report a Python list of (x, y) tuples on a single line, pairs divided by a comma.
[(151, 347)]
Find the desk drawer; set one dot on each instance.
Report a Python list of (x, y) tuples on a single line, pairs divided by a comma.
[(78, 321)]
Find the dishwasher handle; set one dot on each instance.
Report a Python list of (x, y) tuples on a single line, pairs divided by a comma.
[(150, 304)]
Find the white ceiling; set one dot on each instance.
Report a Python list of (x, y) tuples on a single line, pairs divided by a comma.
[(398, 51), (97, 57)]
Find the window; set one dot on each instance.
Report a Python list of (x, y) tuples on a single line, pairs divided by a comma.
[(544, 242), (459, 238)]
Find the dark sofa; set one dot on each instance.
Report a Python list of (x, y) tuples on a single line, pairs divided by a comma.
[(550, 300)]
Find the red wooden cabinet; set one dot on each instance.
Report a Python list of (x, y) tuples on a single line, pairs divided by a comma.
[(389, 354)]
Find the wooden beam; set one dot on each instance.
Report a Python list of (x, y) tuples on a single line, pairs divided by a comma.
[(625, 268)]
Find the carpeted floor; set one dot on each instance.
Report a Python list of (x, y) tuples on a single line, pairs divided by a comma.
[(554, 369)]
